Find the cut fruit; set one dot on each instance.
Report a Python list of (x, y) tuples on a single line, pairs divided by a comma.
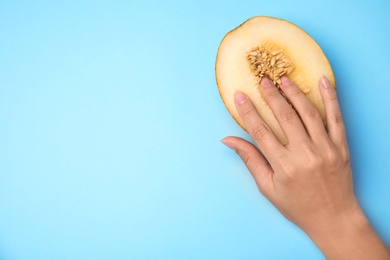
[(271, 47)]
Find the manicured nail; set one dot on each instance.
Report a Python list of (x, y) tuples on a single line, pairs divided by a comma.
[(325, 82), (265, 82), (240, 97), (286, 81), (228, 144)]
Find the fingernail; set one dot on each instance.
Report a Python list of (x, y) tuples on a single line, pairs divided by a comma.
[(325, 82), (265, 82), (240, 97), (286, 81), (228, 144)]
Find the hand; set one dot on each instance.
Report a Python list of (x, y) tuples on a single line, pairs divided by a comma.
[(310, 179)]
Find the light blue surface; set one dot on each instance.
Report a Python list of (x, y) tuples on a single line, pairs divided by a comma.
[(110, 122)]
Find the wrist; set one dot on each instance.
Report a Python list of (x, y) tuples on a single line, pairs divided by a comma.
[(348, 235), (332, 230)]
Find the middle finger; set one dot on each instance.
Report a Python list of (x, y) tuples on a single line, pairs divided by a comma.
[(288, 119)]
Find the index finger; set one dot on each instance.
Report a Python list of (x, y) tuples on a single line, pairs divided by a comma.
[(256, 126)]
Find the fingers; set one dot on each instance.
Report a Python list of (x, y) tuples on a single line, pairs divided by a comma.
[(283, 112), (254, 161), (307, 112), (257, 128), (334, 119)]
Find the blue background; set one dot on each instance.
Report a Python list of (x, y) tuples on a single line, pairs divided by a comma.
[(110, 128)]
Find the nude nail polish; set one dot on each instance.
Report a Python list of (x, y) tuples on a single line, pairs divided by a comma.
[(265, 82), (325, 82), (240, 97)]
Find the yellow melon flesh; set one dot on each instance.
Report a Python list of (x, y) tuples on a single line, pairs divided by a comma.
[(234, 72)]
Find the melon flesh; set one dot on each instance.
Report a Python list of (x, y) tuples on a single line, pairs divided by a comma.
[(234, 73)]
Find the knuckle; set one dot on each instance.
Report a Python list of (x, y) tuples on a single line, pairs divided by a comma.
[(294, 93), (244, 157), (332, 159), (260, 132), (345, 157), (336, 118), (274, 94), (246, 112), (316, 164), (332, 97), (314, 160), (287, 115), (311, 113)]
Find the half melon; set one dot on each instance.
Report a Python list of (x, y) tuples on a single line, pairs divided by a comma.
[(269, 47)]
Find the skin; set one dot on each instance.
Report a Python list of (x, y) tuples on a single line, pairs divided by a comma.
[(309, 180)]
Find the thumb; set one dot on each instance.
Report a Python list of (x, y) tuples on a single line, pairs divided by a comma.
[(256, 163)]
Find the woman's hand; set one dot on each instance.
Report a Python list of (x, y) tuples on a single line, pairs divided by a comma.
[(309, 180)]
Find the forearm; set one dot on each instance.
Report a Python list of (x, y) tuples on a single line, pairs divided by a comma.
[(350, 237)]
